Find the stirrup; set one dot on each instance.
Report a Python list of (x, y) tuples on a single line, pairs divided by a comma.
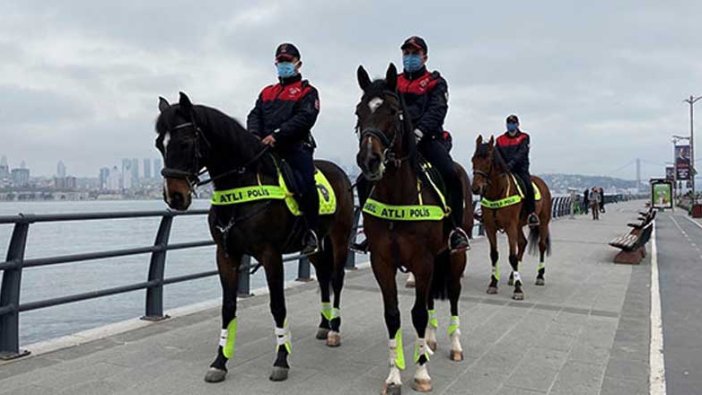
[(462, 244), (310, 248), (361, 248)]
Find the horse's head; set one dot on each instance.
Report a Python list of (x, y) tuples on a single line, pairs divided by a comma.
[(483, 160), (179, 140), (380, 123)]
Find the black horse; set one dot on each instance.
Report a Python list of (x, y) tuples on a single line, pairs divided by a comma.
[(195, 137)]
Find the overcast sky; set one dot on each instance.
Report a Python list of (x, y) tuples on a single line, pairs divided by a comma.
[(596, 83)]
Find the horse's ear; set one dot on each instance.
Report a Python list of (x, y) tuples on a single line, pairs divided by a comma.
[(391, 77), (363, 78), (492, 141), (185, 104), (162, 104), (479, 140)]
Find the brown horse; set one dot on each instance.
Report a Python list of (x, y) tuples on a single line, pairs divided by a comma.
[(388, 158), (494, 182), (192, 138)]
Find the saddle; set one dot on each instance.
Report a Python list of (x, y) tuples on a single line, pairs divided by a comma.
[(511, 197)]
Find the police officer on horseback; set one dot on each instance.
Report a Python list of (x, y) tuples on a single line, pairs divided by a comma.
[(425, 94), (282, 118), (513, 145)]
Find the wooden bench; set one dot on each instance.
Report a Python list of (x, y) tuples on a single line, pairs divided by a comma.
[(633, 243)]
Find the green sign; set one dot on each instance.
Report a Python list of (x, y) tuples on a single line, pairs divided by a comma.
[(661, 194)]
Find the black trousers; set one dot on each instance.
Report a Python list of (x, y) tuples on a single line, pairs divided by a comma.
[(529, 202), (301, 160), (437, 154)]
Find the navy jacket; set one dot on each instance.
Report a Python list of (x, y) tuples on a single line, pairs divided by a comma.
[(426, 97), (515, 151), (288, 110)]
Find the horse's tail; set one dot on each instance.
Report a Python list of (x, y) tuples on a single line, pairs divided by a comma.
[(440, 278), (534, 237)]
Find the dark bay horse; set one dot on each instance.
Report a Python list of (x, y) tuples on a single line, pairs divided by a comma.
[(194, 137), (493, 182), (388, 158)]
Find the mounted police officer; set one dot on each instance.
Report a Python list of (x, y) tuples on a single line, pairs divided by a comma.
[(513, 145), (425, 94), (282, 118)]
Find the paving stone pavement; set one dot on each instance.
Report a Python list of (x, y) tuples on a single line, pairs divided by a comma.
[(585, 332)]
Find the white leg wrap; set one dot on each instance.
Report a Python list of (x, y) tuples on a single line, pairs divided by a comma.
[(282, 336), (422, 373), (223, 337), (517, 277), (394, 376), (456, 341), (431, 334)]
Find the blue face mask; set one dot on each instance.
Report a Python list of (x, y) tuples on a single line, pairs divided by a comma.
[(412, 62), (286, 69), (512, 127)]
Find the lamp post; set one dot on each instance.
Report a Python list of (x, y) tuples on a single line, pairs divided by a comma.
[(691, 101)]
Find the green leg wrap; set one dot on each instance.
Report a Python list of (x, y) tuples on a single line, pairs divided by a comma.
[(327, 311), (433, 321), (541, 266), (283, 337), (336, 313), (496, 272), (228, 339), (399, 350), (454, 326), (420, 348)]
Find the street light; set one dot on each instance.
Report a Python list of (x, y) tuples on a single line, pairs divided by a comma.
[(691, 101)]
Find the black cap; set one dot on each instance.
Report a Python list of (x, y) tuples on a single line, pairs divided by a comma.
[(512, 119), (416, 42), (287, 51)]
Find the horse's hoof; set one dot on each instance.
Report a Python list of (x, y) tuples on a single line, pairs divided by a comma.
[(456, 356), (492, 290), (322, 333), (518, 296), (279, 373), (215, 375), (392, 389), (334, 339), (432, 344), (540, 281), (510, 282), (421, 385)]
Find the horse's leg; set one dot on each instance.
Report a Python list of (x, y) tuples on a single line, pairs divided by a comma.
[(322, 265), (273, 264), (432, 324), (495, 276), (339, 254), (513, 240), (458, 266), (385, 272), (543, 245), (422, 268), (521, 247), (228, 268), (410, 280)]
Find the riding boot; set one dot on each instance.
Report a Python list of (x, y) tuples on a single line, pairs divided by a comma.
[(529, 200), (363, 187), (458, 239), (310, 241)]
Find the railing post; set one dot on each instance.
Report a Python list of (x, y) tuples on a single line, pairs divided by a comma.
[(303, 270), (10, 294), (351, 258), (157, 266), (244, 286)]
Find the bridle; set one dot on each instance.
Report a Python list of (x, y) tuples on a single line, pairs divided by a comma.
[(390, 156), (193, 177)]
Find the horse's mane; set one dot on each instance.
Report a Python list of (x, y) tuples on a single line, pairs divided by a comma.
[(377, 89)]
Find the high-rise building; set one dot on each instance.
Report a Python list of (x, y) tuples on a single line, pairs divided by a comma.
[(157, 167), (147, 168), (103, 177), (135, 172), (61, 170), (20, 177), (114, 180), (126, 174), (4, 169)]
